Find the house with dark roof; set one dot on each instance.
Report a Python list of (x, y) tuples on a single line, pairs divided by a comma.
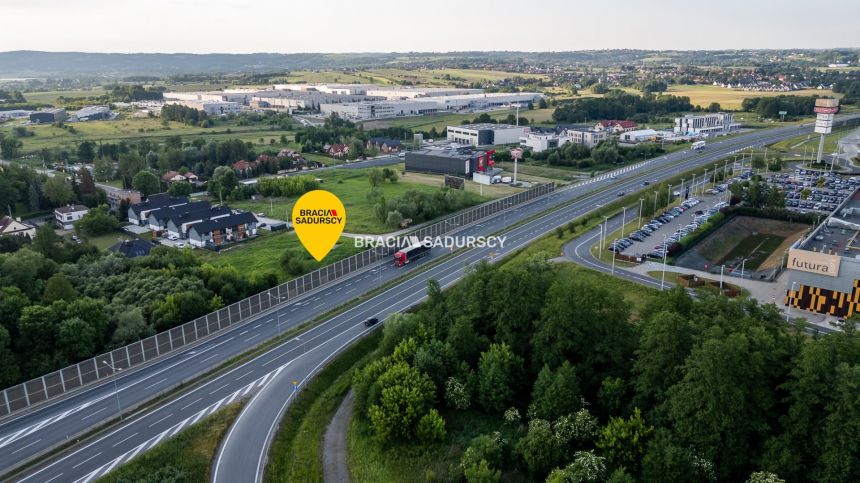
[(178, 223), (157, 219), (219, 231), (138, 213), (15, 227), (384, 145), (132, 248)]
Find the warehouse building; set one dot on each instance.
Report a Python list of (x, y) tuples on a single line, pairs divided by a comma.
[(211, 108), (400, 93), (428, 105), (93, 113), (458, 162), (48, 116), (486, 134), (311, 100), (824, 268), (538, 139), (711, 124)]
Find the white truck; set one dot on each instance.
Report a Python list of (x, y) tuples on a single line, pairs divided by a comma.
[(698, 146)]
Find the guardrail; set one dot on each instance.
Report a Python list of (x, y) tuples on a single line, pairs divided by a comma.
[(55, 384)]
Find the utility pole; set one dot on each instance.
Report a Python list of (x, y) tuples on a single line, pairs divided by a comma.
[(623, 220), (114, 371), (665, 249), (641, 201)]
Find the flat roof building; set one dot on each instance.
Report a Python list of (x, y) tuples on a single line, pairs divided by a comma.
[(211, 108), (486, 134), (92, 113), (706, 124), (459, 162), (428, 105), (824, 267), (48, 116)]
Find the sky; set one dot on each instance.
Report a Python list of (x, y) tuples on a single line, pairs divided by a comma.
[(240, 26)]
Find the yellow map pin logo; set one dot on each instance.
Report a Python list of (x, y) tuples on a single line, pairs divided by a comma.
[(318, 218)]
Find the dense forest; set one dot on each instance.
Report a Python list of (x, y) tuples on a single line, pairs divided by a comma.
[(617, 104), (581, 389), (62, 302)]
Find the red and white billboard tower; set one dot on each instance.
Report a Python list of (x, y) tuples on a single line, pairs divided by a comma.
[(826, 110)]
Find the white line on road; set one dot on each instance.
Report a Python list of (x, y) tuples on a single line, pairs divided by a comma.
[(124, 440), (216, 390), (244, 375), (94, 413), (155, 384), (191, 403), (28, 445), (210, 357), (160, 420), (84, 461)]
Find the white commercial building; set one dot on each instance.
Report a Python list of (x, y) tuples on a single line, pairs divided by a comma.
[(486, 134), (428, 105), (211, 108), (708, 124), (241, 96), (394, 93), (639, 136), (539, 140), (288, 99)]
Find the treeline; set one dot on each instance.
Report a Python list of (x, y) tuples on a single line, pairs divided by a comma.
[(26, 191), (186, 115), (287, 185), (341, 131), (12, 97), (418, 205), (617, 104), (130, 93), (607, 153), (771, 106), (61, 302), (568, 388)]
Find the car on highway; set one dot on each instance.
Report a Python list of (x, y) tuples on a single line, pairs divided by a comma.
[(401, 155), (180, 245), (620, 193), (371, 322)]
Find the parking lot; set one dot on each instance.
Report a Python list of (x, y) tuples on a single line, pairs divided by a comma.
[(824, 191), (669, 226)]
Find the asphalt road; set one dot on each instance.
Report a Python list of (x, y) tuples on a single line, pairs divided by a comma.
[(28, 435)]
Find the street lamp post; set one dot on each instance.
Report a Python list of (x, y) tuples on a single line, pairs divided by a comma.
[(115, 388), (704, 180), (655, 201), (277, 313), (790, 301), (613, 257), (665, 250), (722, 267), (641, 202), (743, 263), (623, 220), (669, 196)]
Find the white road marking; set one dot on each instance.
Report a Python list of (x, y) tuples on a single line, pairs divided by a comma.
[(124, 440), (84, 461), (160, 420)]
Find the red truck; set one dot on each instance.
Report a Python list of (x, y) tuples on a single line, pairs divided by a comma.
[(406, 255)]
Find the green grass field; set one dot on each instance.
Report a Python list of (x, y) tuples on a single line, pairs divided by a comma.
[(352, 187), (810, 141), (50, 97), (186, 457), (731, 99), (131, 129), (755, 248), (263, 254)]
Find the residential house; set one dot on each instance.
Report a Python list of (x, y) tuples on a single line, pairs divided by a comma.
[(138, 213), (177, 224), (614, 126), (384, 145), (338, 150), (66, 216), (115, 198), (245, 168), (132, 248), (175, 176), (157, 219), (219, 231), (15, 227)]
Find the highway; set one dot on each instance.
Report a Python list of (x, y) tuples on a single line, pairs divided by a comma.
[(28, 435)]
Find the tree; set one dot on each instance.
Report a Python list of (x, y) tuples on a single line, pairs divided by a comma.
[(58, 191), (431, 428), (146, 182), (86, 151), (86, 185), (97, 222), (481, 472), (457, 394), (498, 377), (129, 165), (556, 393), (10, 147), (586, 467), (393, 219), (375, 177), (624, 441), (839, 460), (764, 477), (58, 288), (76, 339), (8, 194), (103, 169), (181, 188), (404, 395), (34, 195), (223, 182), (758, 162), (9, 372)]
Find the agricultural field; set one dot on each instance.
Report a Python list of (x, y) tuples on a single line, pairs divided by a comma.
[(50, 97), (731, 99), (352, 187), (130, 129)]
